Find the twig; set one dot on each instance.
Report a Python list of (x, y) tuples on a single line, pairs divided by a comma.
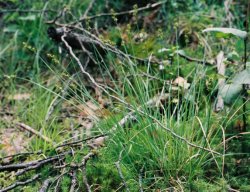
[(73, 181), (193, 59), (59, 97), (131, 115), (84, 174), (57, 17), (45, 185), (208, 144), (80, 141), (229, 16), (21, 154), (117, 164), (21, 172), (149, 6), (37, 133), (140, 179), (58, 179), (178, 136), (80, 41), (88, 9), (14, 167), (26, 11), (85, 180), (85, 72), (20, 183)]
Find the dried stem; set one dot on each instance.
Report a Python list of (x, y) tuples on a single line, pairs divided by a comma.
[(35, 132)]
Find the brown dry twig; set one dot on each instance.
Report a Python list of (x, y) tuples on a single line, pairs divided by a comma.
[(35, 132)]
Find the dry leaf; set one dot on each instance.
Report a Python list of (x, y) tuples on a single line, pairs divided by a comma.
[(12, 142), (19, 96), (181, 82)]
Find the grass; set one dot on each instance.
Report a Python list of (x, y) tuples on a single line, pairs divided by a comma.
[(162, 148)]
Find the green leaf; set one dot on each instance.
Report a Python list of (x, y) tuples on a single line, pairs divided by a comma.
[(242, 78), (232, 31), (230, 92), (10, 29), (28, 18)]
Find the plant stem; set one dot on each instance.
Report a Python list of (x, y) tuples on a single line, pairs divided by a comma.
[(245, 94)]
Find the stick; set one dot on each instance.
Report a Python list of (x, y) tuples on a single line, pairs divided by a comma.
[(26, 11), (84, 174), (20, 183), (14, 167), (140, 179), (184, 56), (45, 185), (37, 133), (149, 6), (88, 9), (117, 164), (73, 181)]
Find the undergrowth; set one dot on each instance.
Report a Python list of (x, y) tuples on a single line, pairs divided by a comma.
[(177, 144)]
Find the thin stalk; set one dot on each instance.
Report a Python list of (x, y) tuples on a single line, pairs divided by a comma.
[(244, 99)]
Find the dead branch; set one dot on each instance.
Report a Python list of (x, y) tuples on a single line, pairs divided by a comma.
[(117, 164), (91, 43), (84, 71), (194, 59), (88, 9), (59, 15), (26, 11), (38, 163), (85, 180), (37, 133), (45, 185), (149, 6), (84, 174), (58, 180), (73, 181), (21, 172), (20, 183), (21, 155)]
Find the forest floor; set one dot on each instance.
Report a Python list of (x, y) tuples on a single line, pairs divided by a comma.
[(147, 101)]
